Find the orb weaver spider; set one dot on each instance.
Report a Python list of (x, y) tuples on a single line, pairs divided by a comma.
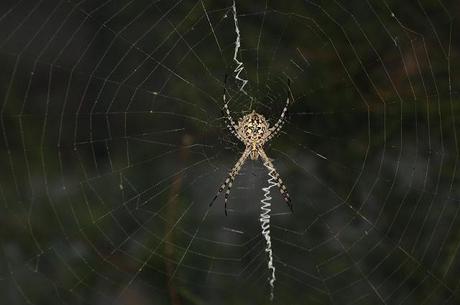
[(254, 131)]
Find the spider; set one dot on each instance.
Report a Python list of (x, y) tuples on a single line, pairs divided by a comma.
[(254, 131)]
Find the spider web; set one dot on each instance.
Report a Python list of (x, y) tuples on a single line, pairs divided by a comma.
[(113, 144)]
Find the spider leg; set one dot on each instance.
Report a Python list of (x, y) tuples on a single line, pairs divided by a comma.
[(230, 178), (283, 190), (231, 125), (279, 124)]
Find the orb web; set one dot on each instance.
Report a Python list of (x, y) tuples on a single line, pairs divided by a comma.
[(113, 142)]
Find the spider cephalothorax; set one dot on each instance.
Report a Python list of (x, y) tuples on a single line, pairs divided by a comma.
[(254, 131)]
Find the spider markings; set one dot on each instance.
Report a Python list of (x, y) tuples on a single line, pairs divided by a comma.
[(254, 131)]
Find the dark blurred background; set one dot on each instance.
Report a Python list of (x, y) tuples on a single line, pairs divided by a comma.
[(113, 143)]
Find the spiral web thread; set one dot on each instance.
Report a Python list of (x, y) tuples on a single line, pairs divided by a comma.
[(265, 225)]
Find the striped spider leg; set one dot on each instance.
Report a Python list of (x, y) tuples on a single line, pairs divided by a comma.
[(254, 131), (283, 190), (230, 178), (231, 125)]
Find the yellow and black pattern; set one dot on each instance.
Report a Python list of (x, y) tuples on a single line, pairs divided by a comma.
[(254, 131)]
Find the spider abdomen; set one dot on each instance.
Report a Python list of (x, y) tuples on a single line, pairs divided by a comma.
[(253, 129)]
